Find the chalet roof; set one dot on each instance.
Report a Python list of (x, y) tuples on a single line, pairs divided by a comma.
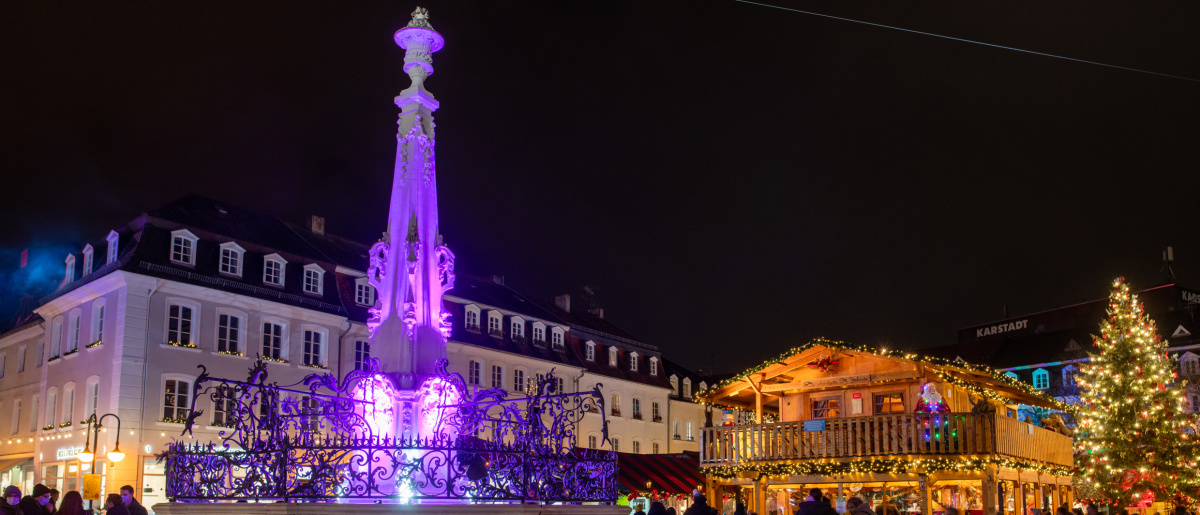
[(783, 370)]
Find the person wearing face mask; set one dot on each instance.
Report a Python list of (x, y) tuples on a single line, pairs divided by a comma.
[(12, 497), (114, 505), (131, 504), (35, 504)]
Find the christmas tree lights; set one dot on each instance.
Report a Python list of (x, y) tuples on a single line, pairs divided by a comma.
[(1132, 438)]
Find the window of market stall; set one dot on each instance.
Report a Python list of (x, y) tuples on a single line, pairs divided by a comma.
[(1009, 503), (1049, 494), (1029, 497), (965, 495)]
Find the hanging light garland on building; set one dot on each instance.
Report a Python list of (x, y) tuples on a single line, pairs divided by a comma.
[(884, 466)]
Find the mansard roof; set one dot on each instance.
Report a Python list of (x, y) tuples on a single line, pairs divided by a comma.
[(145, 249)]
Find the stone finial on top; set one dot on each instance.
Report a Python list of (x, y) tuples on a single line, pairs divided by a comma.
[(420, 19)]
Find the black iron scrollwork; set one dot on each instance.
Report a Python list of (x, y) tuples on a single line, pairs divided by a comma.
[(314, 441)]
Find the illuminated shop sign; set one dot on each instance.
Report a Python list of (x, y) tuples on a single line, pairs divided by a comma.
[(1001, 328)]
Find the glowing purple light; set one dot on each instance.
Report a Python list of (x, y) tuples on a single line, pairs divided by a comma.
[(435, 393), (380, 416)]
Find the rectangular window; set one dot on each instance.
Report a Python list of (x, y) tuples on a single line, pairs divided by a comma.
[(637, 447), (20, 360), (472, 321), (889, 403), (616, 443), (312, 282), (272, 341), (474, 370), (273, 273), (497, 376), (223, 407), (231, 262), (539, 335), (653, 367), (633, 359), (518, 381), (518, 330), (98, 323), (591, 352), (364, 294), (73, 337), (312, 348), (228, 331), (176, 401), (826, 408), (362, 353), (556, 338), (311, 409), (179, 325), (612, 357), (41, 351), (591, 441), (654, 411), (494, 326), (68, 405), (33, 414), (181, 250), (93, 399), (87, 262), (51, 407), (561, 384), (56, 343), (654, 446), (690, 437), (112, 249), (16, 417)]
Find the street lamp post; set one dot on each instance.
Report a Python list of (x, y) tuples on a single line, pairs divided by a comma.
[(94, 425)]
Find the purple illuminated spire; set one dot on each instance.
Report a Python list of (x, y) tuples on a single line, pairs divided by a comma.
[(410, 267)]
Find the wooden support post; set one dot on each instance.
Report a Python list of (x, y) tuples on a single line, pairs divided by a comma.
[(991, 499), (758, 415), (926, 498), (760, 494)]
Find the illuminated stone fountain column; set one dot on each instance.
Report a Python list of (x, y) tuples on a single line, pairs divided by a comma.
[(410, 268)]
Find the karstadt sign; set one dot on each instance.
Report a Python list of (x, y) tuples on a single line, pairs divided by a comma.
[(1001, 328)]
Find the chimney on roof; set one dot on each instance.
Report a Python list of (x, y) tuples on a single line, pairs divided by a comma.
[(597, 311), (563, 302), (498, 279), (317, 224)]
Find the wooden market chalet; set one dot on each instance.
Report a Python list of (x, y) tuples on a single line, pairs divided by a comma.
[(892, 427)]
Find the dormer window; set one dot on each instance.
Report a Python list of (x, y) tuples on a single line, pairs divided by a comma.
[(703, 386), (590, 350), (687, 388), (517, 328), (364, 293), (653, 366), (612, 356), (314, 279), (87, 260), (539, 333), (183, 247), (633, 362), (273, 266), (1013, 375), (69, 276), (471, 318), (556, 337), (494, 324), (231, 258), (1041, 379), (112, 247), (674, 385)]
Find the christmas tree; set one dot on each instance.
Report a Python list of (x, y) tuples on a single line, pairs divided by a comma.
[(1136, 444)]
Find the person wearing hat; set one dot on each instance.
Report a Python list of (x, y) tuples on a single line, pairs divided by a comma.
[(12, 497), (699, 505), (35, 504)]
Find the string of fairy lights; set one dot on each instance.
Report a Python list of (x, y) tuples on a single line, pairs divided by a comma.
[(884, 466), (1133, 443), (938, 366)]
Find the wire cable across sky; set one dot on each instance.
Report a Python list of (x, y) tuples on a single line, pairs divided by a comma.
[(970, 41)]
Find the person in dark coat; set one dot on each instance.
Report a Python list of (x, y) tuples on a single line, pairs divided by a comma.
[(856, 506), (699, 506), (114, 505), (815, 505), (131, 503), (35, 504), (657, 508), (12, 497)]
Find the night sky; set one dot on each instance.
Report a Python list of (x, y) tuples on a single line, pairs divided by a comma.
[(734, 179)]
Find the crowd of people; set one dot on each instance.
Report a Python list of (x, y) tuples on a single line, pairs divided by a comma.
[(44, 501)]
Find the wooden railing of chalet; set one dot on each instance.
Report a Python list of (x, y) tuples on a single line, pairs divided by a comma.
[(901, 434)]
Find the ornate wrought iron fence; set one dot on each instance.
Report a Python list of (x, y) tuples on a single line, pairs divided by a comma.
[(320, 440)]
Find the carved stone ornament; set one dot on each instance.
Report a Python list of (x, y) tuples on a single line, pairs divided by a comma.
[(420, 19)]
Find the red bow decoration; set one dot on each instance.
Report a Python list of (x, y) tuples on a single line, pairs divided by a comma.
[(823, 363)]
